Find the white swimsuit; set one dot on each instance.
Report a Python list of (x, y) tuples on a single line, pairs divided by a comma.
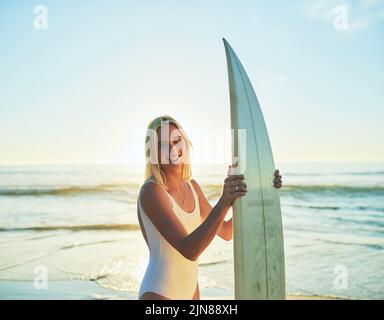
[(169, 273)]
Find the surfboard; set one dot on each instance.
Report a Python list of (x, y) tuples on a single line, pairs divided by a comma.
[(257, 223)]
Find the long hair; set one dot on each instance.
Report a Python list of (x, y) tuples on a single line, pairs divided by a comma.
[(152, 166)]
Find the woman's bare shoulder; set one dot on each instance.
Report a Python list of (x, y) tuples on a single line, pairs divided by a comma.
[(195, 184), (152, 196), (149, 189), (197, 187)]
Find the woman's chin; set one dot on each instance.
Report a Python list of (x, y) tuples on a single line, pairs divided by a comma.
[(177, 164)]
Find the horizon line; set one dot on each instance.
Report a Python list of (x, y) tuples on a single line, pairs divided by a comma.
[(197, 164)]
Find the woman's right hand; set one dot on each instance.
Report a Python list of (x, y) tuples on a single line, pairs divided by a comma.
[(234, 187)]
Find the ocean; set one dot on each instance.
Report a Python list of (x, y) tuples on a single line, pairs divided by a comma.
[(79, 223)]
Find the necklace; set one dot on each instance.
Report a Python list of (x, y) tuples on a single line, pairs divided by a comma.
[(184, 200)]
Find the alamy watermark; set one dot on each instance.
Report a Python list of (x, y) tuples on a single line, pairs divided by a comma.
[(340, 281), (40, 281), (340, 17), (40, 19), (167, 146)]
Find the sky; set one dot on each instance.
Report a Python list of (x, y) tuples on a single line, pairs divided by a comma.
[(82, 90)]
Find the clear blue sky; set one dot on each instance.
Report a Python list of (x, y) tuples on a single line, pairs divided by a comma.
[(83, 90)]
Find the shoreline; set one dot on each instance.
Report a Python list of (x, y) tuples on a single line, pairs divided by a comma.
[(90, 290)]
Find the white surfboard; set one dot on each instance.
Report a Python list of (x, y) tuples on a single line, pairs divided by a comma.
[(257, 223)]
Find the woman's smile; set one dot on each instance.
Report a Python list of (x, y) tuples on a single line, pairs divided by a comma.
[(177, 157)]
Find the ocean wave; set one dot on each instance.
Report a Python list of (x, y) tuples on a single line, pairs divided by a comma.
[(379, 190), (375, 246), (214, 190), (366, 173), (64, 190), (78, 244), (315, 207), (374, 223), (212, 263), (90, 227), (211, 191), (325, 207), (352, 173)]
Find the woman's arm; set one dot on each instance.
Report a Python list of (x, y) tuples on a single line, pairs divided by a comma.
[(156, 205), (225, 230)]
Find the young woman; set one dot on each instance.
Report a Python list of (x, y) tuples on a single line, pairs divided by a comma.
[(175, 217)]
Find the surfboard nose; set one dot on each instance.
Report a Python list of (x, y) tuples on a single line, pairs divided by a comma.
[(227, 46), (232, 59)]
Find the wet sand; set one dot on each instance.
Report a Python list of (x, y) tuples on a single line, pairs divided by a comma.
[(89, 290)]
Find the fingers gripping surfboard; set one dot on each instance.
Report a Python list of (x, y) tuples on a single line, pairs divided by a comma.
[(257, 223)]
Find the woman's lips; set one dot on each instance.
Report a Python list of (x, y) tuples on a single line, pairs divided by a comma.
[(177, 157)]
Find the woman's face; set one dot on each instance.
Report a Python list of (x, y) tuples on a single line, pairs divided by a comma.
[(171, 145)]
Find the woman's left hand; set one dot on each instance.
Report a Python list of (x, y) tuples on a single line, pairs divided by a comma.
[(277, 182)]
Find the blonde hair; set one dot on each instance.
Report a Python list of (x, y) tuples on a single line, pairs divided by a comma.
[(152, 167)]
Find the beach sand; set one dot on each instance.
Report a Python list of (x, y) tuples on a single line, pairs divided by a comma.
[(89, 290)]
